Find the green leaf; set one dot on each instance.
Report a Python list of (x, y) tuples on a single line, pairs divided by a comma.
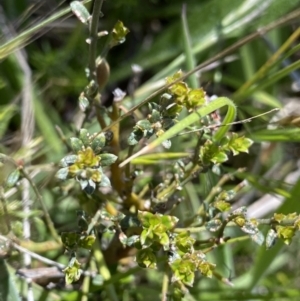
[(129, 241), (134, 138), (206, 268), (143, 237), (222, 206), (84, 136), (180, 90), (76, 144), (213, 225), (105, 181), (145, 218), (108, 159), (174, 77), (240, 211), (72, 271), (286, 233), (143, 125), (168, 221), (219, 157), (98, 143), (146, 258), (249, 227), (70, 239), (83, 103), (211, 152), (183, 270), (87, 242), (62, 173), (258, 237), (271, 238), (80, 11), (164, 241), (8, 289), (239, 144), (13, 178), (184, 242), (68, 160), (195, 98)]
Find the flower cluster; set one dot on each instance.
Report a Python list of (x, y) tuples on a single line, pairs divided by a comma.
[(87, 162)]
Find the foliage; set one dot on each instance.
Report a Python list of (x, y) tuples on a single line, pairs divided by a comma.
[(149, 207)]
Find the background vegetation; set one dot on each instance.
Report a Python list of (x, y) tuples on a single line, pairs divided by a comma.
[(249, 52)]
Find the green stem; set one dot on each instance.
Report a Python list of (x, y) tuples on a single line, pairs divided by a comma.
[(44, 208), (94, 221), (94, 38), (165, 285), (86, 288), (5, 211), (104, 272)]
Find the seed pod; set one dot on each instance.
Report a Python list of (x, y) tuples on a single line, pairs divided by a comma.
[(102, 71)]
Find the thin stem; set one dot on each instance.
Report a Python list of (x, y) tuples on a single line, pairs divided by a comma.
[(5, 211), (62, 137), (39, 257), (104, 271), (41, 201), (86, 288), (165, 286), (94, 221), (39, 198), (32, 254), (231, 123), (94, 38)]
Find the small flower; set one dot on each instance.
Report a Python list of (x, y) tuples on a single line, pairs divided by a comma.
[(86, 165)]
